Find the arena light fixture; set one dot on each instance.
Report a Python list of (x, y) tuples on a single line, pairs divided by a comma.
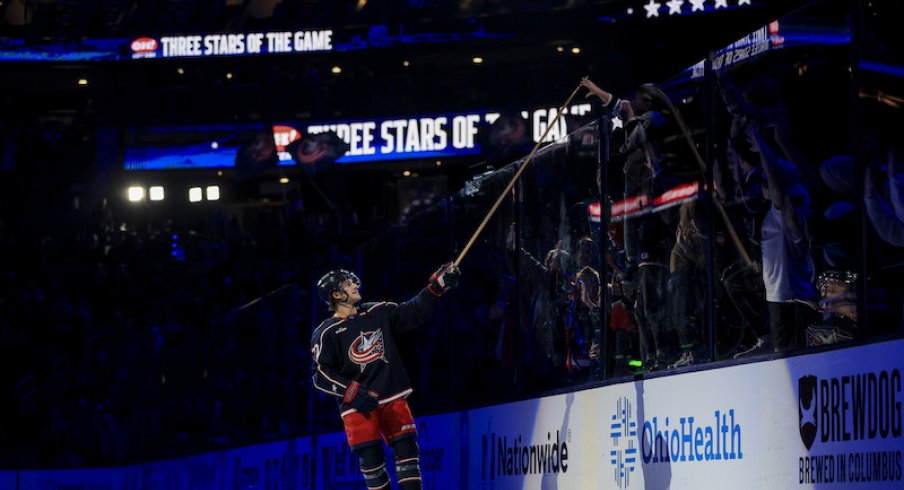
[(575, 50), (136, 193), (407, 173), (155, 193), (477, 60), (213, 192), (284, 180), (336, 70), (195, 194), (406, 63), (83, 81), (229, 76)]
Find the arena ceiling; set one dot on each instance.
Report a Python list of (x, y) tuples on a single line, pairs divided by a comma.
[(533, 53)]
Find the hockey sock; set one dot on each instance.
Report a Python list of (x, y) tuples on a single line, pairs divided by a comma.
[(373, 466), (408, 470)]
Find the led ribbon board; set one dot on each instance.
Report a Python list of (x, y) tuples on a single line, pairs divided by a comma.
[(777, 35), (225, 44), (213, 45), (433, 136), (368, 140), (171, 47)]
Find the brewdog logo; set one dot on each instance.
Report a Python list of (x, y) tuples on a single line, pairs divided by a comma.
[(806, 387)]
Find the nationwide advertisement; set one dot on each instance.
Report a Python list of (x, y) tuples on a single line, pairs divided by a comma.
[(544, 443)]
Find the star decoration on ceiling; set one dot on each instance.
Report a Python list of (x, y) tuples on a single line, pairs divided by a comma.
[(675, 6), (652, 8)]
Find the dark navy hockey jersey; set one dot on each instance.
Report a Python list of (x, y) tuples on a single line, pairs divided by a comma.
[(362, 348)]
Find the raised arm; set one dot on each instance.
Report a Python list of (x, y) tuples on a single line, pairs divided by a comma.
[(881, 213), (417, 310), (884, 220), (778, 181), (609, 101), (637, 127), (533, 272), (896, 184), (770, 166)]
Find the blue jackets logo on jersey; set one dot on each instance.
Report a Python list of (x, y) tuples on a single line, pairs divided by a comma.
[(367, 348)]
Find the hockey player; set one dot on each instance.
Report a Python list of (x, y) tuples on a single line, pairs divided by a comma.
[(356, 361)]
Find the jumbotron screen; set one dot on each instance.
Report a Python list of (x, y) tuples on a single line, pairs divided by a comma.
[(191, 147), (374, 140)]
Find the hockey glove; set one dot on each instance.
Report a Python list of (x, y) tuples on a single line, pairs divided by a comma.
[(444, 279), (357, 397)]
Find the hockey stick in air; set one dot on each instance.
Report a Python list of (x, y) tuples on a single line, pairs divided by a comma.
[(732, 233), (511, 183)]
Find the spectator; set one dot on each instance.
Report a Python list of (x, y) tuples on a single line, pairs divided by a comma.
[(688, 275), (788, 270), (650, 307), (638, 149), (887, 215)]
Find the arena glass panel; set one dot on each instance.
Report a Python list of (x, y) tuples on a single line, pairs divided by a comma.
[(881, 178), (547, 245), (784, 233), (682, 256), (683, 265)]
